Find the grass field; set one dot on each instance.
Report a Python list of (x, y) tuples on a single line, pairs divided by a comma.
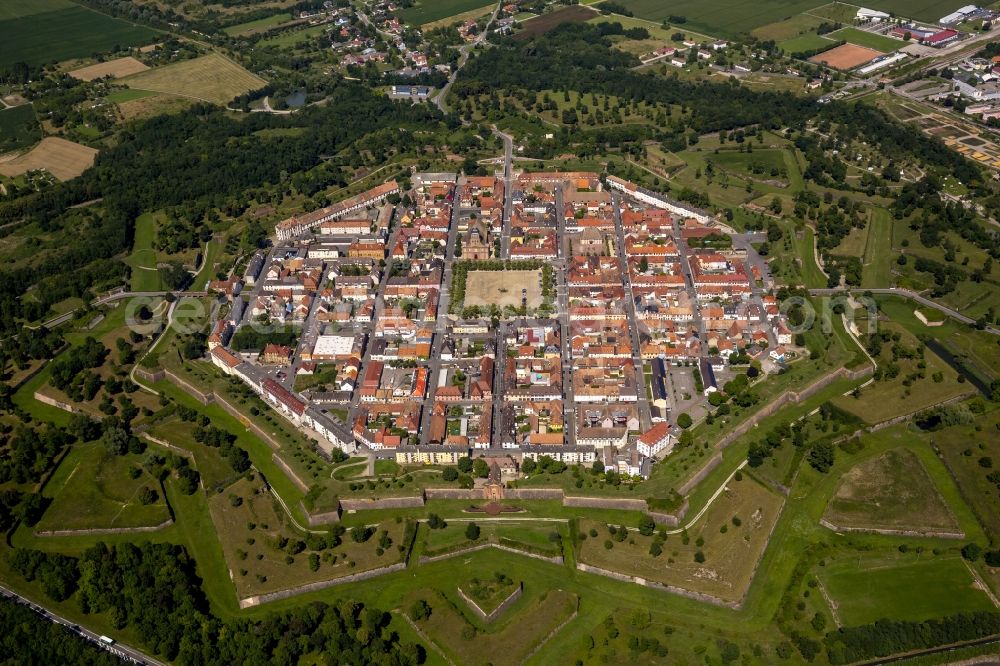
[(429, 11), (836, 11), (876, 271), (292, 37), (906, 392), (868, 39), (128, 95), (472, 14), (147, 103), (866, 589), (961, 448), (18, 128), (853, 244), (792, 27), (252, 530), (890, 491), (730, 551), (14, 9), (533, 534), (40, 38), (145, 276), (212, 78), (63, 159), (258, 25), (517, 635), (804, 43), (116, 69), (98, 493), (503, 288)]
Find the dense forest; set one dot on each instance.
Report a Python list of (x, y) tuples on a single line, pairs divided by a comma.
[(580, 57), (203, 159), (153, 590), (26, 638)]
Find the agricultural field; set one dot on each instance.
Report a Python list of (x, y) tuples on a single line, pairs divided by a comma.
[(35, 33), (728, 540), (891, 491), (429, 11), (264, 554), (725, 18), (731, 18), (515, 636), (503, 288), (63, 159), (116, 69), (18, 128), (869, 588), (868, 39), (545, 22), (97, 491), (211, 78)]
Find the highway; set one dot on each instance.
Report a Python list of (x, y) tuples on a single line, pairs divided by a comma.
[(120, 650)]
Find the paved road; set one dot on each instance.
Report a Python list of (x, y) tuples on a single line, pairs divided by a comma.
[(913, 296), (645, 419), (463, 58), (115, 296), (118, 649)]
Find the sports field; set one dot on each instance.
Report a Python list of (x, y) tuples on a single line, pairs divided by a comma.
[(51, 31), (868, 39), (211, 78), (846, 56), (503, 288), (18, 127), (866, 589), (890, 491), (63, 159), (116, 69), (429, 11)]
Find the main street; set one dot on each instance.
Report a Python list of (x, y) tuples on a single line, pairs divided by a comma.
[(441, 324), (560, 269), (645, 420)]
